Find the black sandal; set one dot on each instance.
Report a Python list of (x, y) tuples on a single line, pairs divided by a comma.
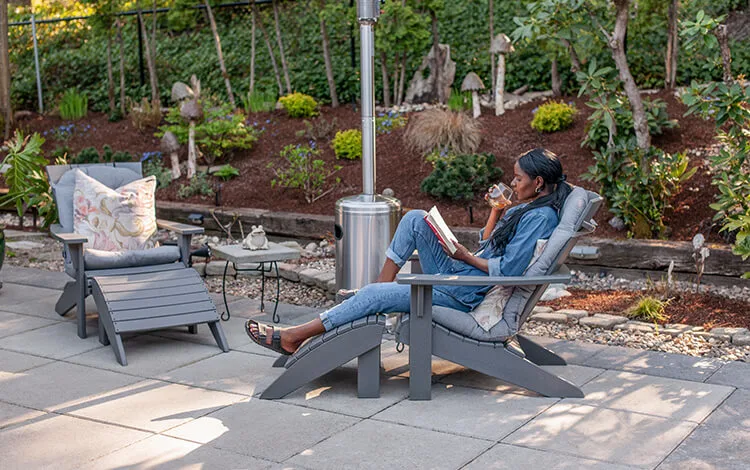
[(274, 345)]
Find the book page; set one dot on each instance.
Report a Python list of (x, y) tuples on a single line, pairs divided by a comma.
[(441, 229)]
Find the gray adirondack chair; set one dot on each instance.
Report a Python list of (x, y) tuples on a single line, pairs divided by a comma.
[(134, 290), (457, 337), (451, 334)]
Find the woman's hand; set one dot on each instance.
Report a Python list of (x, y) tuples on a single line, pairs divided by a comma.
[(461, 254)]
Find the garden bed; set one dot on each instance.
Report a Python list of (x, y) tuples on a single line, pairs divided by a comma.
[(402, 170)]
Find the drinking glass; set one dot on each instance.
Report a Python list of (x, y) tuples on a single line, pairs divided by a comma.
[(499, 195)]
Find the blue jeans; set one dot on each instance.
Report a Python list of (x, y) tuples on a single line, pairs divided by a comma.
[(387, 297)]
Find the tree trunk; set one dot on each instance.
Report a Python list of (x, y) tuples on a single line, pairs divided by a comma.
[(110, 74), (670, 63), (575, 64), (281, 46), (396, 64), (402, 79), (252, 49), (5, 106), (492, 36), (270, 53), (217, 40), (154, 17), (122, 67), (726, 54), (150, 62), (329, 66), (438, 58), (192, 153), (500, 86), (617, 44), (386, 87), (556, 81)]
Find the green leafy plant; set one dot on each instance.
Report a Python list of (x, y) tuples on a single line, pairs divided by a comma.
[(649, 309), (299, 105), (459, 101), (386, 123), (91, 155), (227, 172), (304, 171), (348, 144), (460, 177), (219, 135), (553, 116), (259, 101), (437, 129), (25, 177), (73, 105), (199, 185), (155, 167), (638, 185)]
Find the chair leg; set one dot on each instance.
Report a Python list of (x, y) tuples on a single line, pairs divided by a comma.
[(280, 361), (218, 333), (81, 309), (119, 350), (193, 329), (368, 374), (103, 339), (538, 354), (67, 299)]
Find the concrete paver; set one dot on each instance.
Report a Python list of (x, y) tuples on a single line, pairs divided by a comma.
[(13, 323), (508, 457), (578, 375), (733, 414), (377, 445), (56, 341), (12, 414), (734, 374), (713, 448), (12, 362), (265, 429), (613, 436)]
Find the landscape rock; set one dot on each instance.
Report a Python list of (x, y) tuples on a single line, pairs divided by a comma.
[(714, 336), (200, 268), (554, 291), (741, 340), (551, 317), (289, 272), (540, 309), (634, 326), (729, 331), (308, 276), (24, 245), (617, 224), (292, 244), (602, 320), (573, 313), (216, 268)]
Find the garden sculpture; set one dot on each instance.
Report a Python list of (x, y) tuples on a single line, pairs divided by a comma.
[(256, 239), (192, 111), (170, 146), (473, 83), (501, 45)]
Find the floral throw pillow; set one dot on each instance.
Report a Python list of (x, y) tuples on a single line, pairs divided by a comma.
[(114, 219)]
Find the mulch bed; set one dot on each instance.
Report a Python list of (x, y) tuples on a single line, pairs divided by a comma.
[(402, 170), (697, 309)]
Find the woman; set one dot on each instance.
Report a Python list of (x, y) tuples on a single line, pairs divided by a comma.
[(507, 245)]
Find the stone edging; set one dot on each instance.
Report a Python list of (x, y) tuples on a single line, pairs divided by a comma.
[(737, 336)]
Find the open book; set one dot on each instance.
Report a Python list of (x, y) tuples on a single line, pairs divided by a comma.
[(438, 225)]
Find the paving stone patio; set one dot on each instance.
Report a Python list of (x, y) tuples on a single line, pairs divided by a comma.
[(182, 403)]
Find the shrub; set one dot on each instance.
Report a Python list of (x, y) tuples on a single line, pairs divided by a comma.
[(385, 123), (258, 101), (638, 185), (318, 129), (460, 177), (227, 172), (459, 101), (25, 177), (648, 309), (597, 131), (219, 135), (144, 115), (348, 144), (299, 105), (91, 155), (304, 171), (73, 105), (437, 129), (154, 166), (87, 155), (200, 185), (553, 116)]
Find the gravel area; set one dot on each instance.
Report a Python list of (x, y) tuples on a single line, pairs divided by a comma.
[(293, 293), (685, 343)]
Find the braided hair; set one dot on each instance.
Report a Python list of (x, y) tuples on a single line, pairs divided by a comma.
[(536, 162)]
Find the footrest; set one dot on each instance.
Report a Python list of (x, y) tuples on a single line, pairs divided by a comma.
[(152, 300), (322, 354)]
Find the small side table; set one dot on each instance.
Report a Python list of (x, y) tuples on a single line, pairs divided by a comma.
[(269, 259)]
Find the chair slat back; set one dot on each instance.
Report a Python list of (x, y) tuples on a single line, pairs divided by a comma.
[(55, 172)]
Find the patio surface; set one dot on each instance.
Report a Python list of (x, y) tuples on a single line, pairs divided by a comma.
[(66, 403)]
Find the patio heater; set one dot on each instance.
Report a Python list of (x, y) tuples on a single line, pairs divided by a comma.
[(365, 223)]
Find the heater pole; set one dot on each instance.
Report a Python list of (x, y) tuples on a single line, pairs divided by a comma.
[(368, 12)]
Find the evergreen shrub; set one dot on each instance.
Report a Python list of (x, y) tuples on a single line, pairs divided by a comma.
[(348, 144), (462, 176), (553, 116), (299, 105)]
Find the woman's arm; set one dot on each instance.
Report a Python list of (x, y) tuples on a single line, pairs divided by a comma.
[(495, 215), (463, 254)]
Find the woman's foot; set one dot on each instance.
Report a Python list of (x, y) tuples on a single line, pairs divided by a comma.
[(270, 337)]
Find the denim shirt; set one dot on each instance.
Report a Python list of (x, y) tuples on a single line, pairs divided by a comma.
[(536, 224)]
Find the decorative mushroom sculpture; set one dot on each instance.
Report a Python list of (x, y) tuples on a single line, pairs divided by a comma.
[(192, 111), (501, 45), (170, 146), (473, 83)]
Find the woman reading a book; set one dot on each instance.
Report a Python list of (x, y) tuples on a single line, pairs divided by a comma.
[(506, 246)]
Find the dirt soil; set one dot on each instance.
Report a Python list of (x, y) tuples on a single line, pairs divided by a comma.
[(402, 170), (697, 309)]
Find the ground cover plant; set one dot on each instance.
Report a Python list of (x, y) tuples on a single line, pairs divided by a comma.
[(553, 116)]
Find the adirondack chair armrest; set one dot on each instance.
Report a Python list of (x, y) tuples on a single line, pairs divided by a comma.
[(66, 237), (178, 228), (453, 280)]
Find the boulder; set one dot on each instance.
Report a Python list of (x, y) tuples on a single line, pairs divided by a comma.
[(424, 90)]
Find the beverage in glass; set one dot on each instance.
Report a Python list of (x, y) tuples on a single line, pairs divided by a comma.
[(499, 195)]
